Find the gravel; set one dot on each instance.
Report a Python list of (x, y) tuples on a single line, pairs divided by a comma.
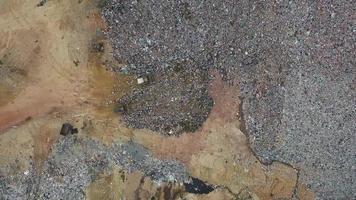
[(175, 102), (294, 60), (76, 161)]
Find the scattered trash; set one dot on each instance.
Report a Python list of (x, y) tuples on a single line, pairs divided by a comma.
[(265, 57), (140, 81), (146, 79)]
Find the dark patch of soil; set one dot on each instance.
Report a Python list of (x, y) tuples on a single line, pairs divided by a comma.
[(176, 102)]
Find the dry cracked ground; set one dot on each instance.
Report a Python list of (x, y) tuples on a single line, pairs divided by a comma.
[(213, 100)]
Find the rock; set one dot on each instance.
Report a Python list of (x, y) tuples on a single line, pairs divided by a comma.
[(68, 129), (198, 186), (41, 3)]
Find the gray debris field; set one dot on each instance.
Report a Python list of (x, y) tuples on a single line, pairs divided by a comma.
[(294, 60), (174, 103), (77, 161)]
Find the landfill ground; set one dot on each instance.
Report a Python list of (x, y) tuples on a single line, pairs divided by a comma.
[(188, 100)]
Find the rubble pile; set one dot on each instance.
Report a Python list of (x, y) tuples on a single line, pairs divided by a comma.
[(173, 103), (77, 161), (294, 62)]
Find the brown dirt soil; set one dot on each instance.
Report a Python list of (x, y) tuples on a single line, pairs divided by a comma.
[(62, 76), (47, 48)]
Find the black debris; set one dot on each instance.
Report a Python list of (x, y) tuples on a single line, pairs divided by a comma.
[(68, 129), (41, 3), (197, 186), (76, 62)]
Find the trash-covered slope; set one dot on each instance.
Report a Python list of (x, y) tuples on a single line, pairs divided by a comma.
[(294, 61)]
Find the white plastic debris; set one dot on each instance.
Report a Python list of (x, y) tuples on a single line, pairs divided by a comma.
[(140, 81)]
